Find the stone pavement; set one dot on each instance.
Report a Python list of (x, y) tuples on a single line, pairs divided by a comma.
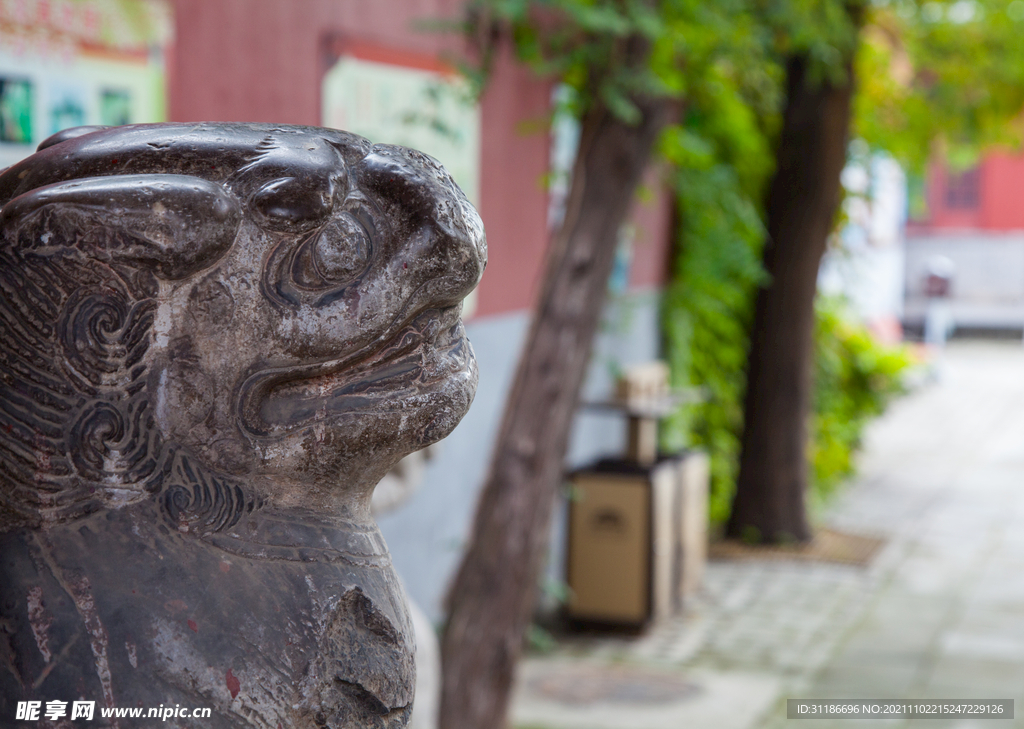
[(939, 613)]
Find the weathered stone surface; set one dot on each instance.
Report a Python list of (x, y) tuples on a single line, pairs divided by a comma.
[(216, 339)]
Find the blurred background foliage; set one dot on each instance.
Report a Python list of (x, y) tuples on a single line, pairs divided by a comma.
[(942, 78), (855, 377), (933, 79)]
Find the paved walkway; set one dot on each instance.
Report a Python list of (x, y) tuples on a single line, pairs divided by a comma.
[(938, 614)]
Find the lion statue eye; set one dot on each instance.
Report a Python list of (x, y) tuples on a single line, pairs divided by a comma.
[(335, 254), (293, 203)]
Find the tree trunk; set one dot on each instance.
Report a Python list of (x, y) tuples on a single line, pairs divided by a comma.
[(802, 203), (492, 597)]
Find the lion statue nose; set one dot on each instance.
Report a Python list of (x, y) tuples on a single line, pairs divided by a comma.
[(442, 231)]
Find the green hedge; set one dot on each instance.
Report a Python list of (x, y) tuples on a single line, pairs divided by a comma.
[(706, 318), (855, 377)]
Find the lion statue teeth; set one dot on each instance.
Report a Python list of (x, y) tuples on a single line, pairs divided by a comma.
[(216, 339)]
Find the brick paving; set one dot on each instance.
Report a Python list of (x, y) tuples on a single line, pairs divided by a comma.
[(939, 613)]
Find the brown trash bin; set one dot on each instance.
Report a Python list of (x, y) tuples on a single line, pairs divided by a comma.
[(637, 538)]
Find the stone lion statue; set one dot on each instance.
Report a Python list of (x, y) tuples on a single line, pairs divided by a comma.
[(214, 341)]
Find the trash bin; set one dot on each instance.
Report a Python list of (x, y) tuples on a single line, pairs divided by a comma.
[(637, 538)]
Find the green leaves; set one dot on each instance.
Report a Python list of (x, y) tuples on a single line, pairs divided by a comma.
[(855, 377), (825, 31), (941, 78), (590, 44)]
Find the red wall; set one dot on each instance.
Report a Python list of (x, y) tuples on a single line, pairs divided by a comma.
[(1002, 188), (263, 60), (651, 217), (513, 203), (1000, 197)]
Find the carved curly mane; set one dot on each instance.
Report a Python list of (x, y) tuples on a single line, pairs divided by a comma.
[(79, 431)]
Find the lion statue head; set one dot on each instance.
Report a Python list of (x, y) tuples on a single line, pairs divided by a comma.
[(219, 337)]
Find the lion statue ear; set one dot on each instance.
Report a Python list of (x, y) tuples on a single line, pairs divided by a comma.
[(173, 225)]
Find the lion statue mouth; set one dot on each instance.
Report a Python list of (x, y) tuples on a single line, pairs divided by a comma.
[(406, 373)]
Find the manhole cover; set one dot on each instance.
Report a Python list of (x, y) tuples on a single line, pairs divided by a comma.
[(578, 685)]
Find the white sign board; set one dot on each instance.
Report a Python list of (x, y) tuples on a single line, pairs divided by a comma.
[(392, 104)]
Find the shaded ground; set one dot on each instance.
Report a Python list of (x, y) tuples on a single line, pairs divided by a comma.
[(938, 613)]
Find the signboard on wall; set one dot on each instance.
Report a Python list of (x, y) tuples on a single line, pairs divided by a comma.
[(408, 100), (65, 63)]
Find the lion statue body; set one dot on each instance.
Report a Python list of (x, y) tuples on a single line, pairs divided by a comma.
[(216, 339)]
